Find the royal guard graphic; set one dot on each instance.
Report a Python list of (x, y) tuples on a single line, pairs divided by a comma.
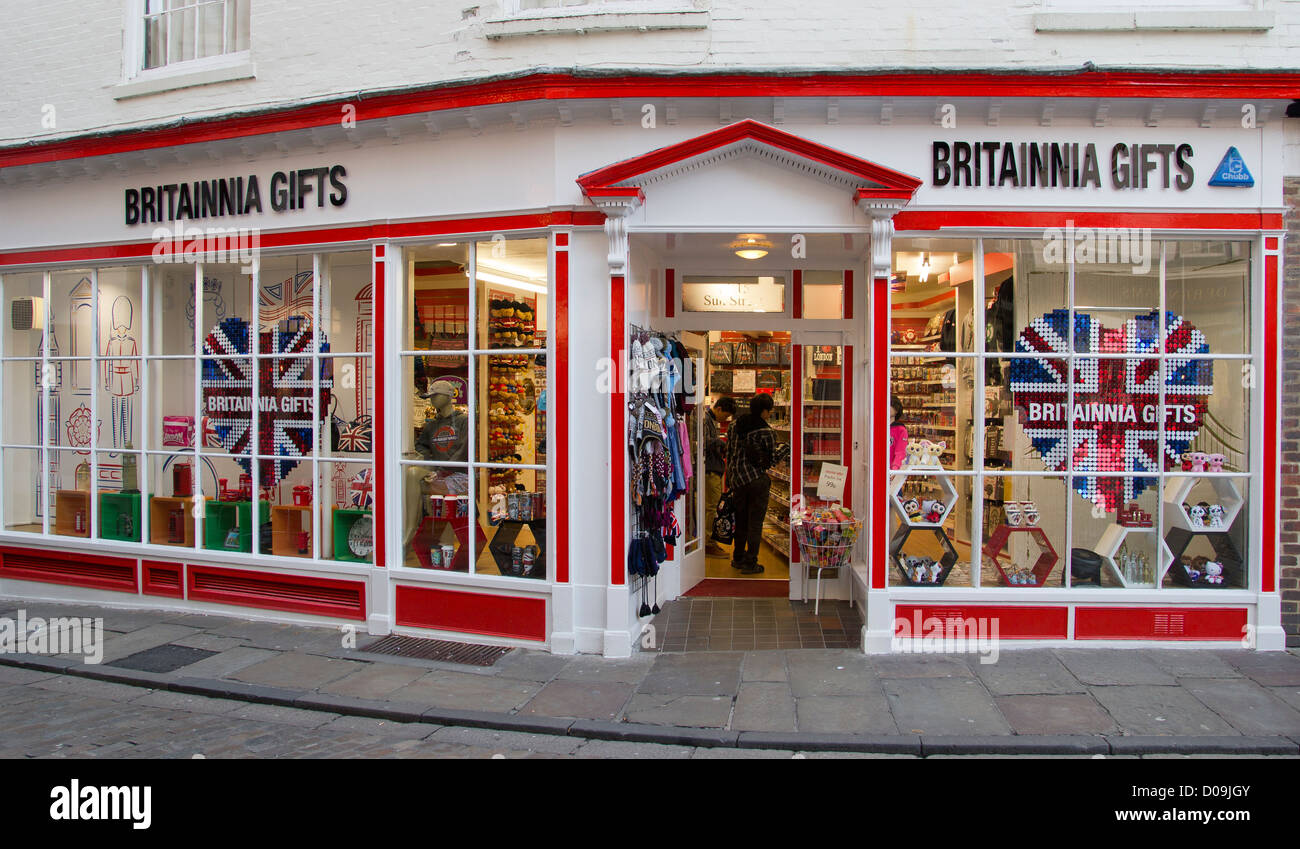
[(121, 370)]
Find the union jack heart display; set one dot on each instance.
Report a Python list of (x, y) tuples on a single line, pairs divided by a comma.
[(287, 401), (1116, 404)]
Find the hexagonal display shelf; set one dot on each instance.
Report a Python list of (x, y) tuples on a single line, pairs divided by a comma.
[(944, 483), (1178, 489), (946, 561), (1042, 567), (1112, 539), (1225, 552)]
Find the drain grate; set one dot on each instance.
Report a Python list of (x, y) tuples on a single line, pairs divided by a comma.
[(471, 654)]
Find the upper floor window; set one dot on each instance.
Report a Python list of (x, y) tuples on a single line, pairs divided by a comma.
[(176, 31)]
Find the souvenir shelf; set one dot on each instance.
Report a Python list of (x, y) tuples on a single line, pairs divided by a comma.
[(1112, 541), (353, 535), (902, 560), (1203, 520), (1178, 489), (171, 520), (1047, 556), (72, 512), (119, 516), (222, 517), (923, 474), (291, 530)]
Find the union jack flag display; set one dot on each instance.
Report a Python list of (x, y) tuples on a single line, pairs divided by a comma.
[(363, 489), (287, 402), (1116, 405)]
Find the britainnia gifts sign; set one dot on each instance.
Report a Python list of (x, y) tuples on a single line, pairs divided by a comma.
[(1110, 424)]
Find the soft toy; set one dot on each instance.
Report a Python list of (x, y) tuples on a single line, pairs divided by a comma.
[(1198, 459), (913, 453), (1216, 515), (1195, 515), (1213, 572), (930, 452), (932, 511), (935, 570), (912, 508), (1215, 463)]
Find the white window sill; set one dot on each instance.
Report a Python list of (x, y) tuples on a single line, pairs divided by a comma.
[(565, 22), (1167, 21), (181, 76)]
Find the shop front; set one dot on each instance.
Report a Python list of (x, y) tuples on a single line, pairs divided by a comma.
[(387, 377)]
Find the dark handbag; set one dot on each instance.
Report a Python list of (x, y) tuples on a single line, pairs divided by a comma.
[(724, 524), (350, 437)]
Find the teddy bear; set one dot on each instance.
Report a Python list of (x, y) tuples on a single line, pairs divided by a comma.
[(930, 452)]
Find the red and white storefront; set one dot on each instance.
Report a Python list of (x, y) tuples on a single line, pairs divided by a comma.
[(594, 182)]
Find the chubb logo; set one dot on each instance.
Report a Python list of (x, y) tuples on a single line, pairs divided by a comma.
[(91, 802)]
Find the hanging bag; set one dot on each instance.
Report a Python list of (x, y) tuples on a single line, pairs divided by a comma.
[(350, 437)]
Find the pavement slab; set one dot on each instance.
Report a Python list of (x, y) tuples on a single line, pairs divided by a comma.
[(151, 636), (530, 665), (1272, 669), (1113, 668), (679, 711), (830, 672), (764, 706), (210, 642), (623, 671), (708, 674), (296, 671), (372, 680), (1066, 713), (764, 666), (227, 662), (861, 714), (1148, 710), (580, 699), (1290, 695), (921, 666), (1247, 706), (944, 706), (1025, 672), (466, 691), (1192, 664)]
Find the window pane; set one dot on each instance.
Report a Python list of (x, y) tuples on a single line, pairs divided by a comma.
[(172, 310), (211, 28), (171, 424), (20, 420), (347, 305), (119, 496), (510, 386), (286, 294), (1023, 533), (437, 298), (734, 293), (436, 518), (441, 426), (512, 293), (173, 483), (1205, 529), (23, 490), (238, 39), (514, 519), (1023, 280), (1123, 543), (931, 301), (347, 428), (155, 38), (71, 477), (118, 372), (1208, 284), (347, 495), (823, 294), (24, 301)]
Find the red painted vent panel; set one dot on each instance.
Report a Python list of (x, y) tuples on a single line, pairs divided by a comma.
[(471, 613), (77, 570), (294, 593), (160, 577), (1160, 623), (1013, 622)]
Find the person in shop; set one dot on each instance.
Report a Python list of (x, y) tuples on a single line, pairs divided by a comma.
[(752, 449), (897, 434), (715, 464)]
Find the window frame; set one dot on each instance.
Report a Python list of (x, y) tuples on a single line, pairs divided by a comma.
[(139, 80)]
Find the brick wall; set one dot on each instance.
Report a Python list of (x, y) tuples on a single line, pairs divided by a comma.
[(1290, 558)]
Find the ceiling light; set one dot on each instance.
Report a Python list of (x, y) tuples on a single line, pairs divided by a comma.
[(750, 246)]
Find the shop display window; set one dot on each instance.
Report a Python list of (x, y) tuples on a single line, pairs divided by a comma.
[(823, 294), (183, 404), (474, 387), (1110, 444)]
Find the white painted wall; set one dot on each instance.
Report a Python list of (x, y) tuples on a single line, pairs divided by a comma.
[(68, 54)]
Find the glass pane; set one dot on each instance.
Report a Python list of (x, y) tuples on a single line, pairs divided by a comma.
[(118, 372), (1023, 531), (71, 319), (23, 491), (437, 298), (23, 306), (292, 407), (932, 295), (347, 304), (735, 293), (226, 402), (172, 308), (440, 427), (1206, 522), (512, 293), (823, 294), (181, 35), (71, 477), (436, 518), (286, 296), (211, 28), (821, 414), (926, 545), (172, 489), (509, 387), (347, 429), (1220, 429), (1122, 542), (294, 512), (1023, 280), (119, 496), (20, 422), (170, 388), (71, 420), (155, 40), (238, 39), (347, 497), (513, 518), (1208, 284)]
